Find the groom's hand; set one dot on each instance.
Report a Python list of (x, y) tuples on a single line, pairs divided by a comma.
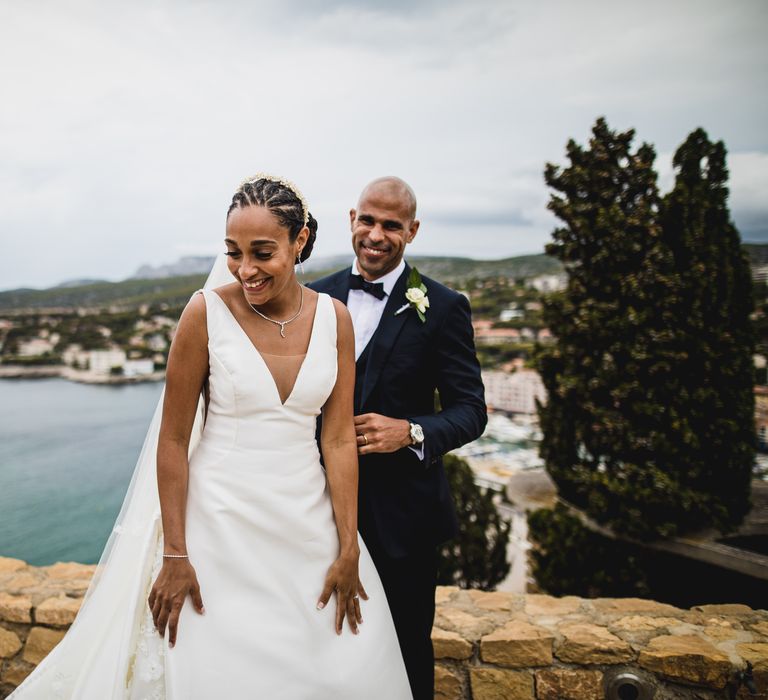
[(377, 433)]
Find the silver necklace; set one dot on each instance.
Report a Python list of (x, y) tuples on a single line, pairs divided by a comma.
[(282, 324)]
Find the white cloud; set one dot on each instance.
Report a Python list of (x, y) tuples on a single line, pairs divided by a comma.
[(125, 127)]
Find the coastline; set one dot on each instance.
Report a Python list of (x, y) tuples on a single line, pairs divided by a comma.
[(74, 375)]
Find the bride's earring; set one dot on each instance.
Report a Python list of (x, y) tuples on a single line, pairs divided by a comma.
[(300, 263)]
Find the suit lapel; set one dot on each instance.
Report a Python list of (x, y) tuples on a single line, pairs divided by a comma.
[(386, 334), (340, 290)]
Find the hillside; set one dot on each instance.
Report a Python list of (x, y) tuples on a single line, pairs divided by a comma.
[(173, 291), (176, 290), (126, 294)]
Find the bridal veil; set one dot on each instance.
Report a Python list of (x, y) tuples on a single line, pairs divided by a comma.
[(112, 650)]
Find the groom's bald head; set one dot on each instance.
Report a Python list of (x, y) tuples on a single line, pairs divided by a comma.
[(394, 188)]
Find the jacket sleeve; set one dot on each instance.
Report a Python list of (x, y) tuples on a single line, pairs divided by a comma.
[(463, 415)]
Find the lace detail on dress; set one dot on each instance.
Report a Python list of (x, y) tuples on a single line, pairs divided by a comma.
[(148, 678)]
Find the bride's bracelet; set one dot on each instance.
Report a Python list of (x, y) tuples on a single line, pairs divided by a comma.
[(175, 556)]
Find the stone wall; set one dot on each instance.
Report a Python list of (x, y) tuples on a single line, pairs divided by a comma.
[(489, 646)]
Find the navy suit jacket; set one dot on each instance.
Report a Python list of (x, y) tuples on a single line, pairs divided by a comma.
[(405, 504)]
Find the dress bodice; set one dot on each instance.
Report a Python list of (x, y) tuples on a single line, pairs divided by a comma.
[(245, 408)]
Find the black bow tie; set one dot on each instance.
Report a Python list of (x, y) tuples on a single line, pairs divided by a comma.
[(374, 288)]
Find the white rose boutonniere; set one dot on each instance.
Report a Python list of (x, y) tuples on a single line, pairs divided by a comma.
[(416, 294)]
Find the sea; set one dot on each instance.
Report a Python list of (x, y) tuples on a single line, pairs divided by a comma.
[(67, 453), (68, 450)]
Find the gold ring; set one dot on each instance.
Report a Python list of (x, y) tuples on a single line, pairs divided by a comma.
[(364, 438)]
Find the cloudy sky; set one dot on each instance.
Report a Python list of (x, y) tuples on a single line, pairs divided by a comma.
[(125, 127)]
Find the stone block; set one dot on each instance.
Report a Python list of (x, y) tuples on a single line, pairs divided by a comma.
[(635, 605), (569, 684), (717, 633), (591, 644), (495, 601), (60, 611), (15, 672), (500, 684), (39, 643), (69, 570), (450, 645), (641, 623), (21, 582), (443, 594), (469, 626), (518, 644), (15, 608), (7, 564), (724, 609), (9, 643), (756, 653), (688, 658), (447, 685), (538, 605)]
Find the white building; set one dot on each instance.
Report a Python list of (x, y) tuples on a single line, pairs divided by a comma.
[(75, 356), (516, 392), (548, 283), (497, 336), (35, 347), (157, 342), (138, 368), (102, 361), (760, 273), (508, 314)]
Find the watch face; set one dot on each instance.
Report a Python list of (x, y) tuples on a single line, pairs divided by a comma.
[(417, 433)]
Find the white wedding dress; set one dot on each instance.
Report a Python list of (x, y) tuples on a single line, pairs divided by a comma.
[(261, 535)]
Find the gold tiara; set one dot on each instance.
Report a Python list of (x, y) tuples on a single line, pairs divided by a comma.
[(285, 183)]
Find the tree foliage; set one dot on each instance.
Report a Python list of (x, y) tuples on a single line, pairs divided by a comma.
[(477, 557), (648, 426), (570, 559)]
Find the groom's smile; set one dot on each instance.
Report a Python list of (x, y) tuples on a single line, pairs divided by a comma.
[(382, 225)]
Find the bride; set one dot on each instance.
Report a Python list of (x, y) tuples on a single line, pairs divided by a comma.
[(238, 573)]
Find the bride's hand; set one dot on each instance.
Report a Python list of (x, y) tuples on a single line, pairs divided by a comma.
[(176, 580), (342, 577)]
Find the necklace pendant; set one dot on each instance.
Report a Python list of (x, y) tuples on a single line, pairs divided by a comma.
[(288, 320)]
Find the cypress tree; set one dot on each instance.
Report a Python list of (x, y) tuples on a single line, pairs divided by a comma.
[(477, 557), (711, 433), (648, 422)]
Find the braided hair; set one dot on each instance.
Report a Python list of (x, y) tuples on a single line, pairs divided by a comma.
[(283, 202)]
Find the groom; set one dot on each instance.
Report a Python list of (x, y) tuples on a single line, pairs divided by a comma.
[(409, 345)]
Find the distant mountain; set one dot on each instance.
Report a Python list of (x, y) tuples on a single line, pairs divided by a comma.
[(77, 283), (188, 265), (455, 271), (446, 269)]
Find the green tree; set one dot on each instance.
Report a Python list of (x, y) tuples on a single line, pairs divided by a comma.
[(477, 557), (570, 559), (649, 409), (711, 435)]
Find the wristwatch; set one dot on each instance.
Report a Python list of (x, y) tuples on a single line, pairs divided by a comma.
[(417, 434)]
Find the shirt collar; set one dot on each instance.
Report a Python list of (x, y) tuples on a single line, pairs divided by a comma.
[(387, 280)]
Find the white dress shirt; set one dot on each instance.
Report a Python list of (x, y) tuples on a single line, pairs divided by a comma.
[(366, 311)]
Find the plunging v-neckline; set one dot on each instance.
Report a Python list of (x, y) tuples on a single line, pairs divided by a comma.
[(264, 363)]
